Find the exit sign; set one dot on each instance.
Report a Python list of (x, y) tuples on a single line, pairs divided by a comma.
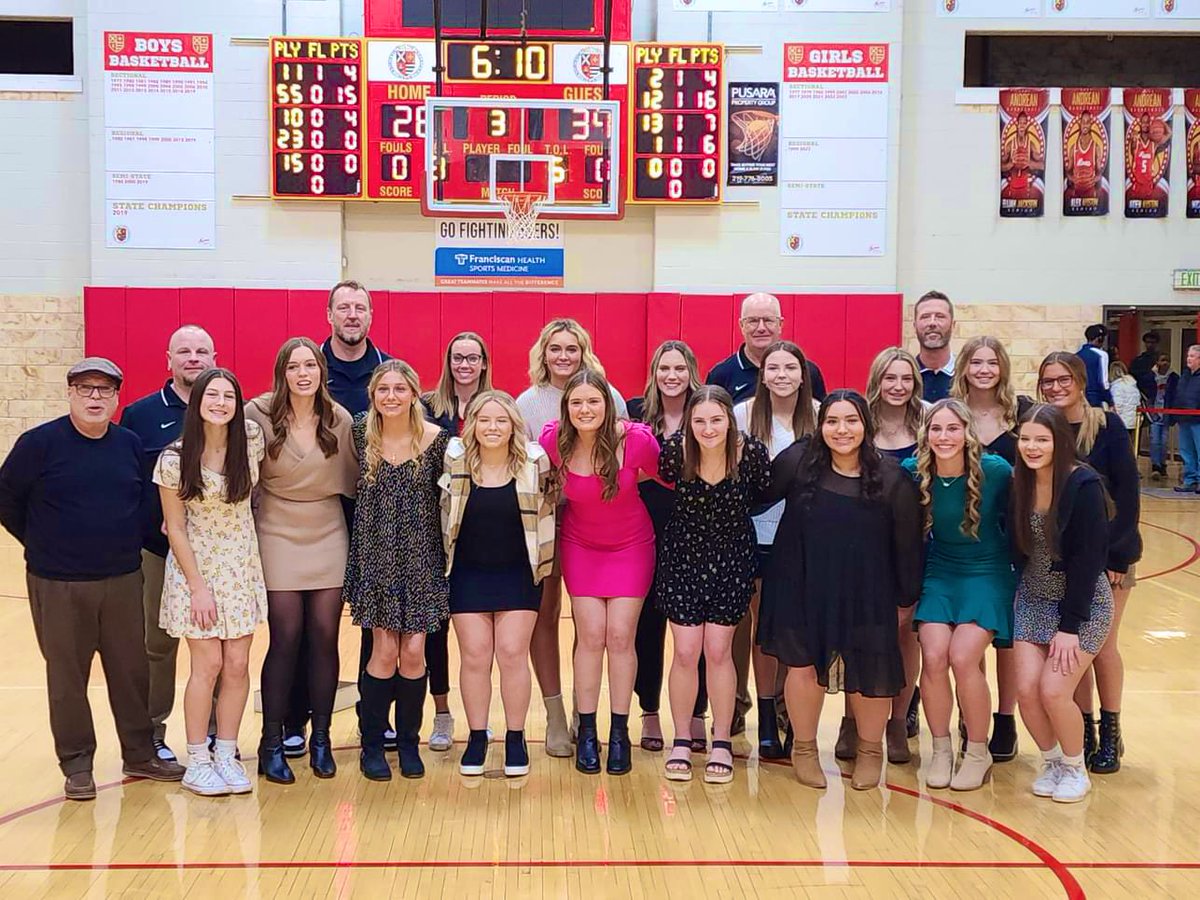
[(1186, 280)]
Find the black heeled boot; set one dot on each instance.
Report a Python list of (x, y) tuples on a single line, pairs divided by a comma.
[(272, 764), (410, 710), (376, 698), (912, 721), (587, 745), (1003, 745), (620, 748), (320, 749), (1107, 758), (516, 754), (1089, 739), (769, 746)]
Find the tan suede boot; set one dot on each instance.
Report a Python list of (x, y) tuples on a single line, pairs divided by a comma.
[(806, 763), (868, 765), (558, 739), (975, 768), (941, 767), (847, 739)]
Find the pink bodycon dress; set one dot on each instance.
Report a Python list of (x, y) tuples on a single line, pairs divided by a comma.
[(607, 546)]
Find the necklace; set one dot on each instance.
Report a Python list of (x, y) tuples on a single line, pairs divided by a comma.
[(946, 482)]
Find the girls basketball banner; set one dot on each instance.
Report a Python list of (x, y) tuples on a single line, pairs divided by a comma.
[(1148, 113), (1023, 114), (1087, 139), (1191, 112), (753, 134)]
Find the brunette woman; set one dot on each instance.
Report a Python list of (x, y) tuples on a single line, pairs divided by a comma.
[(847, 557), (498, 530), (706, 565), (562, 349), (396, 574), (1064, 608), (674, 375), (213, 592), (309, 466), (607, 549), (967, 595), (466, 372), (1101, 441), (780, 413)]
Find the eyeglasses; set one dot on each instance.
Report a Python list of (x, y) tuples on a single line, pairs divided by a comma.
[(755, 321), (471, 359), (103, 391), (1062, 381)]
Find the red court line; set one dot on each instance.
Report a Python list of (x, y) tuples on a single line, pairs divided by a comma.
[(1183, 565)]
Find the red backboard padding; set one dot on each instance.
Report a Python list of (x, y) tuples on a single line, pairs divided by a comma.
[(132, 325)]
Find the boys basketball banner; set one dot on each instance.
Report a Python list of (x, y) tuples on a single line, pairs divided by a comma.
[(1191, 112), (1087, 139), (1023, 114), (753, 134), (1148, 113)]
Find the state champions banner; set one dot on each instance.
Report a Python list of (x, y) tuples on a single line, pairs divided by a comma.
[(1191, 112), (1023, 115), (1148, 113), (1086, 146)]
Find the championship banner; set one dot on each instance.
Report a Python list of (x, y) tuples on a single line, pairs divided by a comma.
[(1087, 140), (1023, 114), (1148, 113), (1191, 112), (753, 134)]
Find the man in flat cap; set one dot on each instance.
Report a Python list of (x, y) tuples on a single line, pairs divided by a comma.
[(70, 492)]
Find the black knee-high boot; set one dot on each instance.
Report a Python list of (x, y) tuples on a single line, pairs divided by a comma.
[(411, 709), (373, 709)]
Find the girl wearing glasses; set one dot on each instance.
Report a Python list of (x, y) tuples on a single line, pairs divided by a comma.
[(1102, 441)]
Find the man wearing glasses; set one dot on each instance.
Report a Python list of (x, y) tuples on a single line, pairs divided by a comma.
[(70, 492)]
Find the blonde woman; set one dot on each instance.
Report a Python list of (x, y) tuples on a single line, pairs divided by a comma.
[(894, 390), (562, 349), (967, 594), (1126, 396), (498, 531), (396, 575)]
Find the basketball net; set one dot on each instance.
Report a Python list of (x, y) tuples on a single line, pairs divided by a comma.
[(757, 128), (521, 210)]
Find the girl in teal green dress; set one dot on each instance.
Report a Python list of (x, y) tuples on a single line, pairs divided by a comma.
[(967, 595)]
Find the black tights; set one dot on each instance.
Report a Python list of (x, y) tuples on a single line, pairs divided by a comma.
[(310, 618)]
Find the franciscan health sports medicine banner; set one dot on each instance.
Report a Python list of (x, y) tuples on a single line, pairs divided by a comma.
[(834, 150), (753, 134), (1023, 113), (159, 155), (1148, 113), (1191, 112), (479, 253), (1086, 145)]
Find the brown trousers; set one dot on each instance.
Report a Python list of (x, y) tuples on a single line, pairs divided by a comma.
[(75, 620), (162, 650)]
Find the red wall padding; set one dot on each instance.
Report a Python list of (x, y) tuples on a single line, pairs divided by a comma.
[(841, 333)]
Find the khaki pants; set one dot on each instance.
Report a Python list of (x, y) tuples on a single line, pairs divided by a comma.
[(73, 621)]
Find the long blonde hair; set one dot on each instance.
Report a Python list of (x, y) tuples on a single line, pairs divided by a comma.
[(1093, 417), (914, 409), (539, 374), (416, 414), (518, 454), (443, 400), (652, 406), (960, 388), (278, 403), (972, 452)]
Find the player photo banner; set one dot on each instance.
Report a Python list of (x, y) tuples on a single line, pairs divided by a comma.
[(1086, 145), (753, 134), (1023, 114), (1191, 111), (1148, 113)]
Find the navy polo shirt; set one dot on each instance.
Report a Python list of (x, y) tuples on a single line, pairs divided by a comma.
[(936, 381), (158, 420), (348, 380), (739, 375)]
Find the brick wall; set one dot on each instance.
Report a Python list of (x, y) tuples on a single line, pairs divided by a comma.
[(40, 338)]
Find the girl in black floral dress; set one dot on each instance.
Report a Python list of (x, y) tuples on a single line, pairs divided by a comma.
[(706, 565)]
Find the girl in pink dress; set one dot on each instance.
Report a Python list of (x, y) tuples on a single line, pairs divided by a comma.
[(606, 550)]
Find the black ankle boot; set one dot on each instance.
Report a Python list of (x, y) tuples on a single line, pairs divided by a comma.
[(516, 754), (587, 745), (376, 699), (272, 764), (1089, 739), (1107, 758), (474, 758), (1003, 745), (320, 749), (620, 749), (769, 746), (789, 741), (912, 721), (410, 709)]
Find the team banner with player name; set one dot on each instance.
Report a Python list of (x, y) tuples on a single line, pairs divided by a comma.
[(1023, 114), (1087, 140), (1191, 112), (1148, 113), (753, 134)]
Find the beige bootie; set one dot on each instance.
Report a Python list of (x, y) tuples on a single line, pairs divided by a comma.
[(975, 768), (847, 739), (806, 763), (941, 767), (868, 765), (558, 739)]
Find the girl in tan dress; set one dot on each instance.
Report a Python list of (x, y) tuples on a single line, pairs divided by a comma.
[(302, 535), (213, 592)]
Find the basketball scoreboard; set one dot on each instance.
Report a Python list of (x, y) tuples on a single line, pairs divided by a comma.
[(349, 119)]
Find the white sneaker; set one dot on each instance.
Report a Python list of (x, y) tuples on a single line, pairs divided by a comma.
[(1047, 783), (202, 778), (443, 732), (1073, 784), (233, 773)]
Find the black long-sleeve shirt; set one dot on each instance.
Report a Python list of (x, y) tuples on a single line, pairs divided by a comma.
[(1112, 458), (74, 502)]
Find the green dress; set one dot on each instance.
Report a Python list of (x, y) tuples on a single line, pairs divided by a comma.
[(969, 579)]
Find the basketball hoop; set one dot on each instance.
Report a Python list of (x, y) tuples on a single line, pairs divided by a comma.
[(757, 128), (521, 210)]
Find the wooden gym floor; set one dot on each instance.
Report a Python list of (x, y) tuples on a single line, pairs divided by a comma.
[(556, 833)]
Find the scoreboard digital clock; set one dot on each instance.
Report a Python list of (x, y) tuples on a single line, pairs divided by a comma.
[(520, 63), (316, 118)]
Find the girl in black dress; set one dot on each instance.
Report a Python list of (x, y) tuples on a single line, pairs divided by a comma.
[(847, 559), (706, 565)]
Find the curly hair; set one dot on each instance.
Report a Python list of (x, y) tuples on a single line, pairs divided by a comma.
[(972, 467), (608, 437), (374, 424), (818, 459), (518, 451), (1006, 397)]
